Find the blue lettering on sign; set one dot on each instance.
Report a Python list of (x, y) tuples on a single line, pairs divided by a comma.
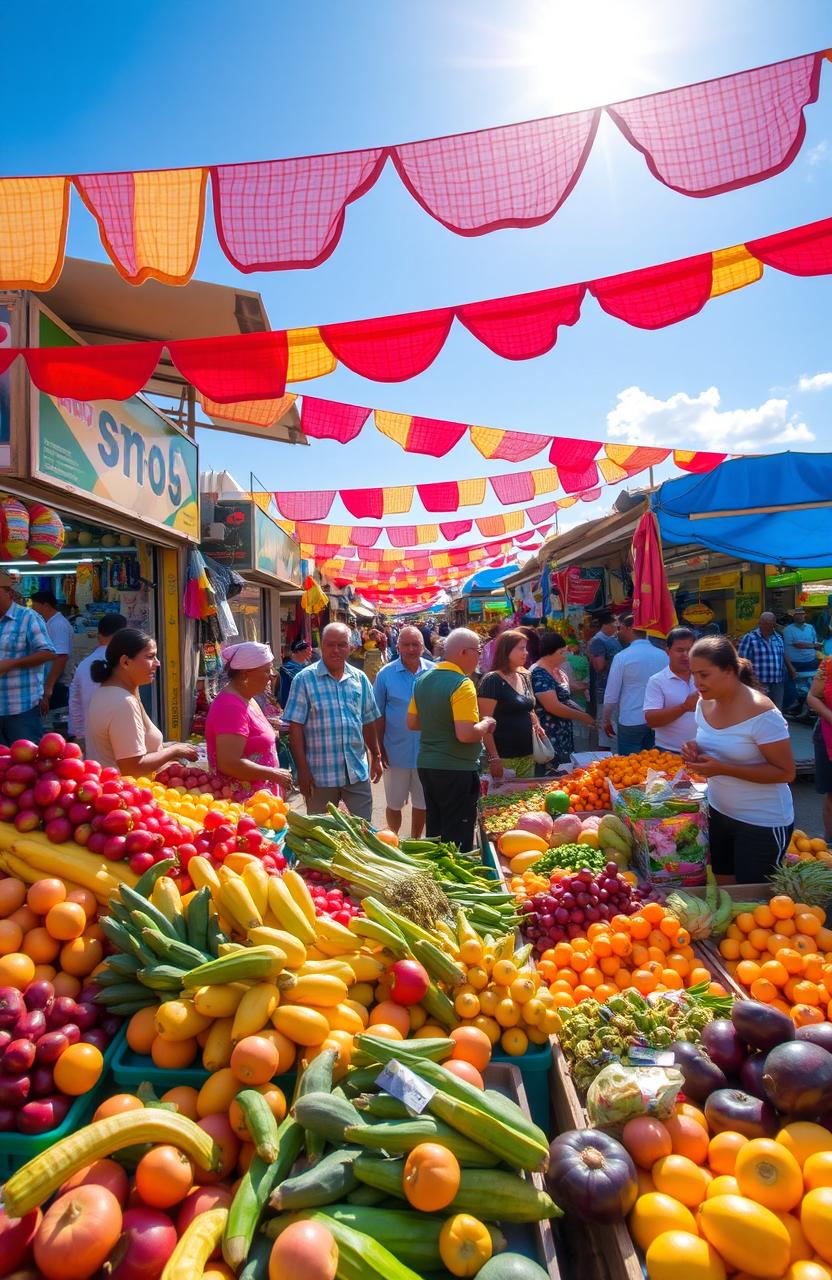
[(120, 444)]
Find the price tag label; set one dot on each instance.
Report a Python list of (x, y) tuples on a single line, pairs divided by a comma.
[(402, 1083)]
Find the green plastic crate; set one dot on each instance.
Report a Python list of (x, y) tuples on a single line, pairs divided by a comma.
[(132, 1069), (17, 1149)]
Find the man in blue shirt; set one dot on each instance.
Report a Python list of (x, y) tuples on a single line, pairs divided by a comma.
[(393, 690), (332, 717), (25, 648)]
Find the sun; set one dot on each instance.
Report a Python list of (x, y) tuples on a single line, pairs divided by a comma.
[(571, 54)]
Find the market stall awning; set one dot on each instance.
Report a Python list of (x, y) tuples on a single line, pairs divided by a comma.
[(484, 582), (775, 509)]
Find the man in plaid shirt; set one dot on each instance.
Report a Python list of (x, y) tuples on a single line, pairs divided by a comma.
[(764, 649), (25, 648), (333, 720)]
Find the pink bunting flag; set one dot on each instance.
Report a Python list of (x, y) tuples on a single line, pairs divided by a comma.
[(455, 529), (328, 420), (575, 461), (311, 504)]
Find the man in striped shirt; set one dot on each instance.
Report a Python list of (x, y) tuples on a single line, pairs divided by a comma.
[(25, 648)]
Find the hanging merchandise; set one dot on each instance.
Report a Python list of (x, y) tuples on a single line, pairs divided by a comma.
[(199, 600), (46, 533), (14, 528), (313, 599)]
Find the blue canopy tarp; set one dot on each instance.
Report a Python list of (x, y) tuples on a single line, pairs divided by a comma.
[(775, 509), (488, 580)]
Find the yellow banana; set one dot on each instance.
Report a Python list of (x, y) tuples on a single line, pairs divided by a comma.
[(23, 871), (340, 968), (216, 1052), (203, 874), (366, 968), (237, 903), (256, 880), (254, 1010), (299, 890), (295, 951), (291, 918), (320, 990)]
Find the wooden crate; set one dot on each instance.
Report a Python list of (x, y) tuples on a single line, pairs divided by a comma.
[(538, 1238), (708, 950), (597, 1253)]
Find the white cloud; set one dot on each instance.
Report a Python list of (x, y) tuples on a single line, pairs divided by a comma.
[(818, 382), (684, 421), (818, 154)]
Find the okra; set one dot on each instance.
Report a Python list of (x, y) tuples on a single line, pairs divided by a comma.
[(253, 1191), (329, 1180), (260, 1122), (325, 1114), (399, 1137), (515, 1199)]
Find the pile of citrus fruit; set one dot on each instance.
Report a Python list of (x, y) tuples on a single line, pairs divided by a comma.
[(649, 951), (587, 788), (780, 952)]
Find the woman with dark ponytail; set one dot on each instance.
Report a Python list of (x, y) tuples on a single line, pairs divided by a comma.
[(743, 748), (119, 730)]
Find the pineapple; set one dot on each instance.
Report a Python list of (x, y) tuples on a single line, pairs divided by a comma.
[(804, 881)]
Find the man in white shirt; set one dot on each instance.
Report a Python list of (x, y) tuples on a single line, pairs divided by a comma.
[(624, 694), (800, 641), (56, 686), (671, 697), (82, 688)]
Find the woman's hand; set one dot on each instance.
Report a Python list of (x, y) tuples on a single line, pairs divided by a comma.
[(283, 778), (496, 769), (185, 750), (690, 752), (707, 766), (587, 719)]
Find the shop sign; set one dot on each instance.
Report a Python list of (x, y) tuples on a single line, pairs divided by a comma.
[(228, 533), (698, 614), (719, 581), (747, 606), (124, 454), (275, 552), (582, 585)]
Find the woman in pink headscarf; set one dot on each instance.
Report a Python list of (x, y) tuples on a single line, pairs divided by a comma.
[(239, 738)]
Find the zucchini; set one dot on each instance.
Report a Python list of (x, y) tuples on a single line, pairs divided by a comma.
[(197, 914), (515, 1199), (325, 1114), (382, 1105), (260, 1122), (491, 1132), (148, 878), (172, 950), (412, 1237), (398, 1137), (360, 1257), (367, 1195), (316, 1078), (323, 1183), (253, 1191), (438, 963), (251, 962), (437, 1048), (257, 1263)]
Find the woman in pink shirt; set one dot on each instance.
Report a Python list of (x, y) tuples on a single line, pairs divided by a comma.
[(239, 738)]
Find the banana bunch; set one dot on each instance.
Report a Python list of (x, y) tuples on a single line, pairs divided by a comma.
[(702, 917), (31, 856)]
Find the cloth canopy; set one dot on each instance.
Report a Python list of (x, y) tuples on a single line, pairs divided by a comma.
[(775, 509), (488, 579)]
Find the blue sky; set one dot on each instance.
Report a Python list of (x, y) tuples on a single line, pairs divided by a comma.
[(145, 84)]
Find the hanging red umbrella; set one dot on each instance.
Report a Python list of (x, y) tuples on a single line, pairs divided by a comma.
[(652, 603)]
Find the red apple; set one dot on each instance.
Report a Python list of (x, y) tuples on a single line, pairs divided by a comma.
[(89, 789), (72, 751), (117, 822), (97, 841), (26, 799), (59, 830), (8, 808), (79, 813), (106, 803), (49, 814), (52, 746), (82, 834), (23, 751), (92, 767), (73, 767), (47, 790), (138, 841), (141, 862), (22, 773), (13, 789), (27, 820), (113, 848), (110, 773)]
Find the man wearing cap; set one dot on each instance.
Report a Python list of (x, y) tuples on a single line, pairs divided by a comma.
[(300, 652), (25, 648), (333, 718), (393, 690)]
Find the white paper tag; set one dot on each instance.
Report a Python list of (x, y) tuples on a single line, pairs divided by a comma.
[(403, 1083)]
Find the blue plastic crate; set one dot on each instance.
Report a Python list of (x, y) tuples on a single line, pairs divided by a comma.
[(534, 1066), (132, 1069), (17, 1149)]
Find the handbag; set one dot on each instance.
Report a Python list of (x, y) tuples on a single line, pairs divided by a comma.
[(542, 749)]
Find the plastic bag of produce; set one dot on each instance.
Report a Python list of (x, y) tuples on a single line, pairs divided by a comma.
[(668, 818), (619, 1093)]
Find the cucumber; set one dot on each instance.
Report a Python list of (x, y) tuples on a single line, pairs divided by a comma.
[(316, 1078), (140, 906), (360, 1257), (253, 1191), (172, 951), (324, 1183), (515, 1199), (147, 879), (197, 915), (325, 1114), (257, 1263), (436, 1048), (382, 1105), (398, 1137), (260, 1122), (413, 1238), (366, 1195)]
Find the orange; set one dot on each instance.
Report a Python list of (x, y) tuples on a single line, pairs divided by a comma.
[(393, 1015), (471, 1045), (747, 972), (723, 1149), (688, 1138), (781, 907), (697, 975), (653, 911), (173, 1053), (775, 972), (763, 990), (644, 981), (679, 1177), (759, 938), (804, 1015), (807, 923), (748, 951), (763, 916), (16, 970), (609, 965), (80, 956), (745, 921), (729, 949), (431, 1177), (621, 944), (806, 993), (164, 1176), (12, 895), (78, 1069), (44, 894), (639, 927), (87, 900), (66, 920), (791, 960), (140, 1030), (671, 980), (11, 936)]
